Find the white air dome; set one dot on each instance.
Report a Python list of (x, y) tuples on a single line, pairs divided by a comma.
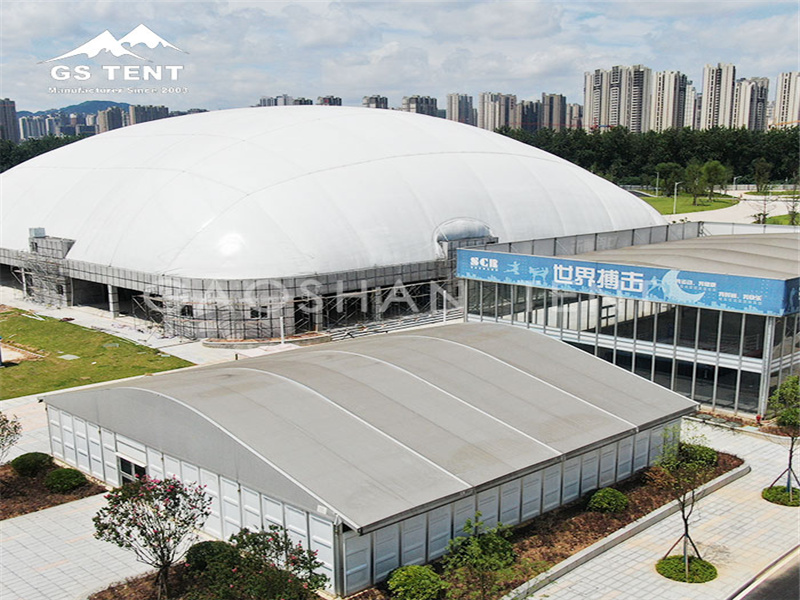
[(299, 190)]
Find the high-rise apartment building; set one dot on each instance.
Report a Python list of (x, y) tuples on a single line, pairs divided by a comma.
[(282, 100), (595, 99), (574, 116), (528, 115), (787, 100), (554, 112), (32, 127), (718, 93), (459, 108), (637, 101), (329, 100), (375, 102), (497, 110), (108, 119), (142, 114), (691, 113), (424, 105), (619, 97), (9, 125), (668, 101), (750, 99)]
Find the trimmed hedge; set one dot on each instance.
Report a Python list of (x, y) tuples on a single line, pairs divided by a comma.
[(31, 464), (63, 481), (698, 454), (608, 500), (779, 495), (415, 582), (204, 554), (673, 568)]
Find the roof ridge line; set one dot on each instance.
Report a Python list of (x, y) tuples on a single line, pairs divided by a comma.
[(360, 420), (461, 400), (532, 376), (249, 448)]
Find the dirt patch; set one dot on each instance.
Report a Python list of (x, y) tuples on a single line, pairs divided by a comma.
[(23, 495), (15, 355), (143, 587)]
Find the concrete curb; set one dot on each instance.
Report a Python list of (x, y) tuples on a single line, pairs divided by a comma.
[(735, 596), (616, 538)]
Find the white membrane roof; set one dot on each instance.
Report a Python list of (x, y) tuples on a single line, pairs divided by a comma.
[(299, 190)]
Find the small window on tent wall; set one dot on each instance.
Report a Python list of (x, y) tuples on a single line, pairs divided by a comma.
[(130, 471)]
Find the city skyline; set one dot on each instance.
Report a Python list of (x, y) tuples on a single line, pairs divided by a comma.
[(241, 51)]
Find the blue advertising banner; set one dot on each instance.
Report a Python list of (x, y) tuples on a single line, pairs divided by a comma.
[(689, 288)]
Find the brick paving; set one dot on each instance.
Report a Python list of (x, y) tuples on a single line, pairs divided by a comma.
[(52, 555), (735, 529)]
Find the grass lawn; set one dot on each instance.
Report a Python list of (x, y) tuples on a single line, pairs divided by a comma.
[(780, 220), (663, 204), (103, 357)]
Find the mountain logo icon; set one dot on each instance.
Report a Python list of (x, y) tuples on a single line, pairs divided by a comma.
[(106, 42)]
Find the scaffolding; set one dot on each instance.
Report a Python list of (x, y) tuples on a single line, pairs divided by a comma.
[(44, 281)]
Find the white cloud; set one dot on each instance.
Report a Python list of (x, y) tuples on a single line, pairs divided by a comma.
[(241, 50)]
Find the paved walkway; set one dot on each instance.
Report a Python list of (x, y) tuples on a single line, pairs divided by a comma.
[(740, 213), (52, 555), (735, 529)]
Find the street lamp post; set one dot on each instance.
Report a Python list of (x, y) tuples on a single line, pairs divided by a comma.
[(657, 182), (734, 181), (675, 197)]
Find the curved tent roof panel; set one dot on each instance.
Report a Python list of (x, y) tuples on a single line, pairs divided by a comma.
[(378, 428)]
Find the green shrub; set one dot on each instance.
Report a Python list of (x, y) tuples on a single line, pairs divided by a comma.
[(203, 554), (62, 481), (789, 417), (31, 464), (608, 500), (779, 495), (697, 454), (673, 568), (415, 582)]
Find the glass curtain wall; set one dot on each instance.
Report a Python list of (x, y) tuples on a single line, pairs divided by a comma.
[(715, 357)]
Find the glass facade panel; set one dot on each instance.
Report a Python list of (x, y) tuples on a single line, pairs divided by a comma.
[(688, 326), (726, 388), (683, 377), (731, 333), (748, 392), (754, 336), (709, 328), (632, 325)]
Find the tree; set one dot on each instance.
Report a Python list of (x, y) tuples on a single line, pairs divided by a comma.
[(785, 404), (715, 175), (761, 174), (693, 180), (680, 470), (254, 565), (275, 548), (10, 432), (473, 564), (669, 173), (155, 519)]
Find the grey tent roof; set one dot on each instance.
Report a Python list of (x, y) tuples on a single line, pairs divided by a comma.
[(384, 426), (766, 255)]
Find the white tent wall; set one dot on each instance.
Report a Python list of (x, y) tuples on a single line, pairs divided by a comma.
[(97, 451), (371, 557)]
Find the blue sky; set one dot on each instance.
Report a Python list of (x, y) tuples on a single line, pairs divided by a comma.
[(239, 51)]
